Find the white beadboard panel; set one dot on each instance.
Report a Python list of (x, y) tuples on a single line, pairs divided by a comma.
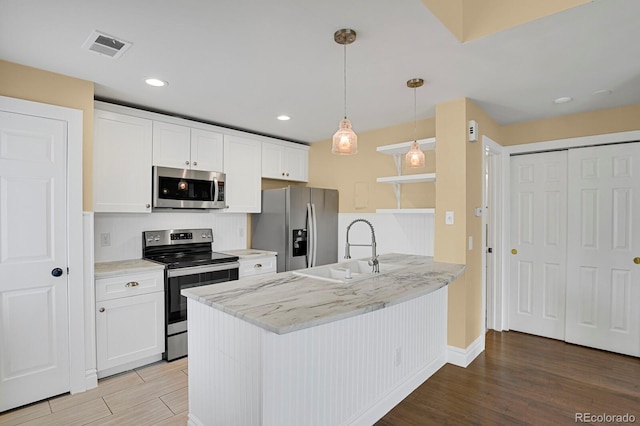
[(349, 372), (395, 233), (125, 230)]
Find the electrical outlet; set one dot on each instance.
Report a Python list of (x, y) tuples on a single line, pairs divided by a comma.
[(105, 239), (398, 357)]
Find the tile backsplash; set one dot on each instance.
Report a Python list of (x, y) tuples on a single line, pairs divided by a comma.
[(123, 232)]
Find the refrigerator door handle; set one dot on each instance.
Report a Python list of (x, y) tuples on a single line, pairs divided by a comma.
[(314, 241), (310, 239)]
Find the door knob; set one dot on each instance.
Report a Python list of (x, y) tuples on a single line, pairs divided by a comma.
[(514, 251), (56, 272), (636, 260)]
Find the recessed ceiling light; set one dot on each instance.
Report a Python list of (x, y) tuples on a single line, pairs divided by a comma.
[(602, 92), (563, 100), (155, 82), (284, 117)]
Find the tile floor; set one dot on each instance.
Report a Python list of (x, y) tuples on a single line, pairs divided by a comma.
[(152, 395)]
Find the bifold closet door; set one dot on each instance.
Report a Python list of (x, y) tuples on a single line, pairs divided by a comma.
[(538, 244), (603, 263)]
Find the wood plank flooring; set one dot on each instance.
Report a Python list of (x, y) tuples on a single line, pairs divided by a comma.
[(519, 379), (523, 379)]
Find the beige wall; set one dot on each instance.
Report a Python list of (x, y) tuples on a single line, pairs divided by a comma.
[(471, 19), (612, 120), (355, 175), (18, 81)]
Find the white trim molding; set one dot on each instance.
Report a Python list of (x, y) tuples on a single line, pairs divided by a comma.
[(464, 357)]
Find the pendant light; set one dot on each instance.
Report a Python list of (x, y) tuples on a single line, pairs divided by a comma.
[(345, 140), (415, 156)]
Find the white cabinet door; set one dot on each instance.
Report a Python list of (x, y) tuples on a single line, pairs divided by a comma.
[(171, 145), (122, 150), (243, 167), (128, 329), (538, 244), (272, 161), (285, 162), (207, 150), (297, 163), (603, 282)]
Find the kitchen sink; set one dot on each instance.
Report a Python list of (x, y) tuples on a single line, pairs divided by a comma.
[(346, 272)]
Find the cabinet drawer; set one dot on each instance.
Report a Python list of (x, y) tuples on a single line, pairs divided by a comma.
[(257, 266), (129, 285)]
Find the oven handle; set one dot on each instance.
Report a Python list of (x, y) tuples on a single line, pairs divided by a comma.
[(180, 272)]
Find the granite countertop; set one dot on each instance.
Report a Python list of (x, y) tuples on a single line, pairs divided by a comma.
[(286, 302), (122, 267), (249, 253)]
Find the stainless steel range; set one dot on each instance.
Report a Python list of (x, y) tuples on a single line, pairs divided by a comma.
[(189, 262)]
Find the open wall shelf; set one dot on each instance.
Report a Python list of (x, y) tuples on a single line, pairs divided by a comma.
[(398, 152)]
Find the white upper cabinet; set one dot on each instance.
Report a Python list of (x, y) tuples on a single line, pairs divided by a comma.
[(242, 165), (121, 163), (186, 148), (285, 161)]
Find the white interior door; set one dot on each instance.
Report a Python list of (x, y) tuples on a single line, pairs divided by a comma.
[(603, 282), (34, 324), (538, 244)]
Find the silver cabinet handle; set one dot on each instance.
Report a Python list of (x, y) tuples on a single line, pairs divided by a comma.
[(101, 309), (287, 173), (147, 205), (132, 284), (257, 265), (195, 163), (186, 162), (282, 173)]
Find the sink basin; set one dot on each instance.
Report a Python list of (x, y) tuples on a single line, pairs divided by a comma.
[(338, 272)]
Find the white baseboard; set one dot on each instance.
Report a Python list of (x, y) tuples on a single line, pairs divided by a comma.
[(193, 421), (464, 357), (91, 378), (129, 366), (395, 396)]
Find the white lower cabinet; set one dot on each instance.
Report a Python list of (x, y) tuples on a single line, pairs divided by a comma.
[(129, 321), (259, 265)]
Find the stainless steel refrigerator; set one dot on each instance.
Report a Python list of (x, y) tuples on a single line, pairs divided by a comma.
[(299, 223)]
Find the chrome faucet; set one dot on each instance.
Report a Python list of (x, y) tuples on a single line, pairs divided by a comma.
[(373, 262)]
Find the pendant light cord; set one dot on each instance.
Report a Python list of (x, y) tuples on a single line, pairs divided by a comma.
[(415, 119), (345, 81)]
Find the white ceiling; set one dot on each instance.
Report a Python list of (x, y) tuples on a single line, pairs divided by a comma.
[(241, 63)]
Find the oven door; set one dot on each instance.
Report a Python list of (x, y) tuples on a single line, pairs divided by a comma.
[(181, 278)]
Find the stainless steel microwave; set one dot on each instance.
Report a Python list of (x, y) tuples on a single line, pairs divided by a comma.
[(188, 189)]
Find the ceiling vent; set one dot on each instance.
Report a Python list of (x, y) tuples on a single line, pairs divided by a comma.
[(105, 44)]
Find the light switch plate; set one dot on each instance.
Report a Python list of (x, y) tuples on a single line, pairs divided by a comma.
[(448, 218)]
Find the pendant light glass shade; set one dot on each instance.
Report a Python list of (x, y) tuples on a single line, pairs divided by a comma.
[(415, 156), (345, 140)]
